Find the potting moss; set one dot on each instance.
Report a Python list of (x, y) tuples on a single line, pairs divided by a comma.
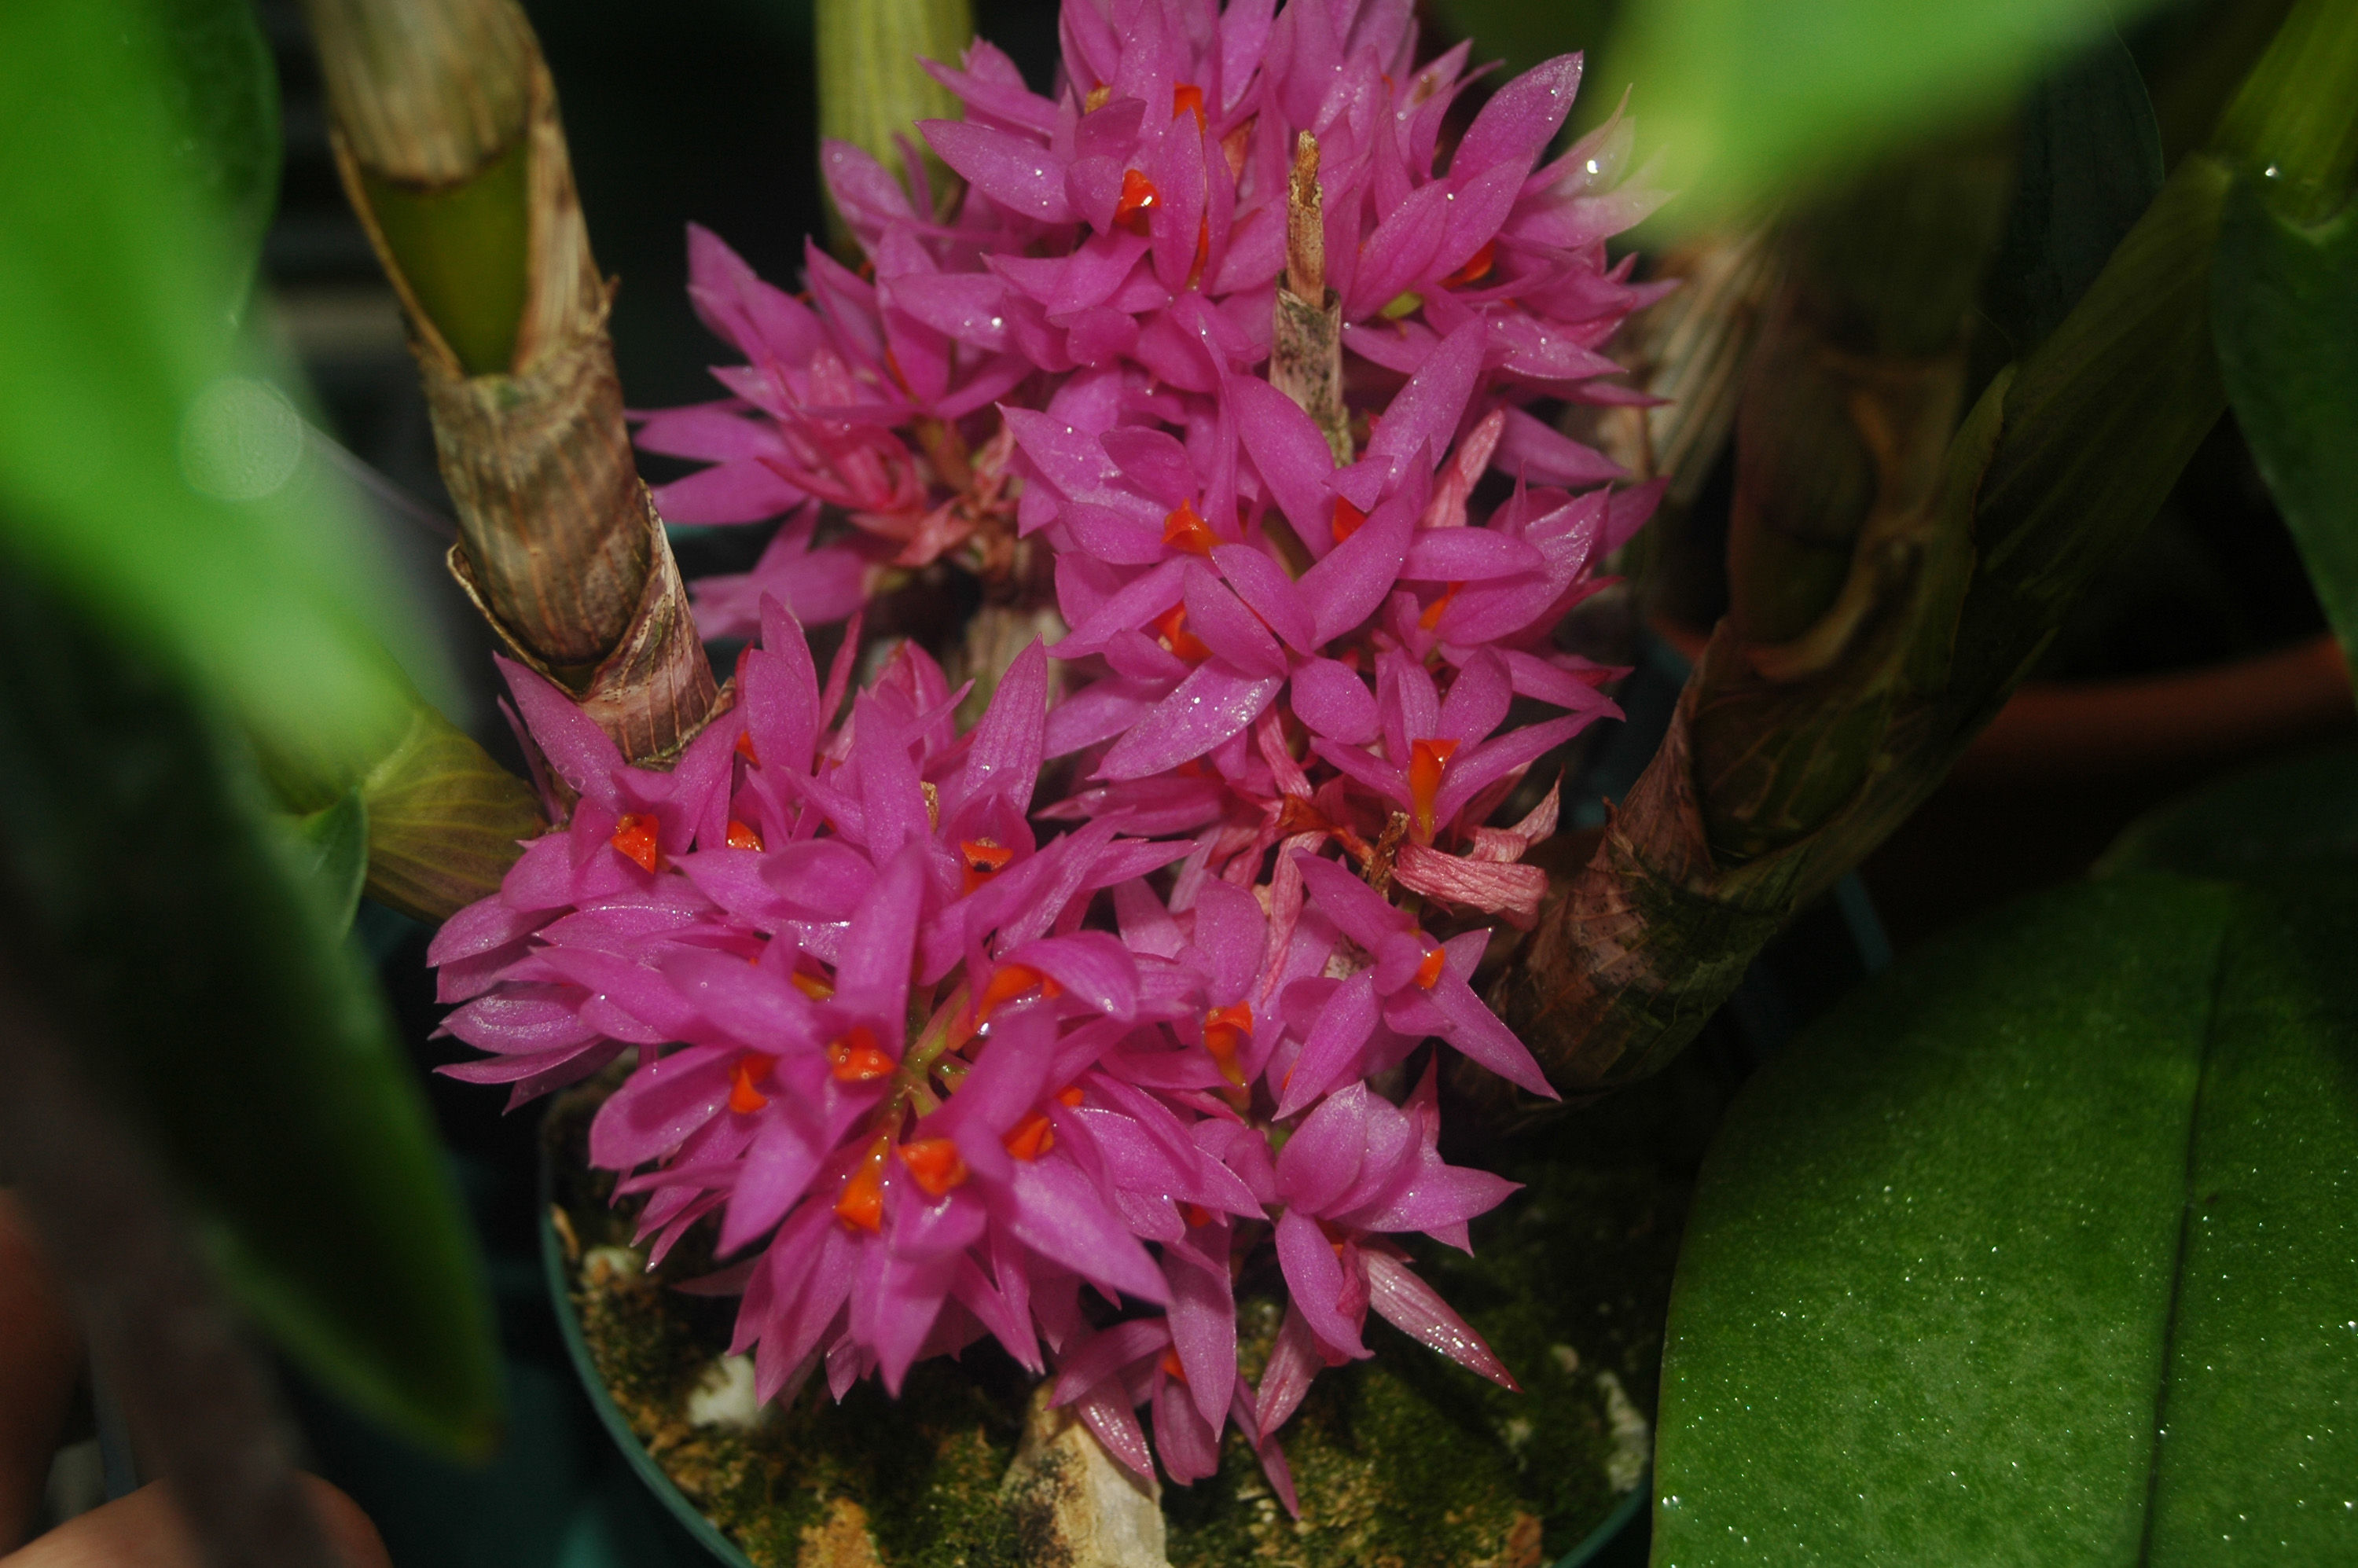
[(1403, 1461)]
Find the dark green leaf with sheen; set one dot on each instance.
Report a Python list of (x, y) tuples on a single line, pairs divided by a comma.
[(187, 945), (2080, 1172), (2283, 306), (2090, 164), (2250, 824)]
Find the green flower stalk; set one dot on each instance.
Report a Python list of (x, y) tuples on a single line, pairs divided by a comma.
[(873, 92)]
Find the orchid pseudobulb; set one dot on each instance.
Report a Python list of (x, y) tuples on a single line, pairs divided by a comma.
[(942, 1061)]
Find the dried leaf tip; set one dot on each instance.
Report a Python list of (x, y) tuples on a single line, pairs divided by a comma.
[(1305, 225)]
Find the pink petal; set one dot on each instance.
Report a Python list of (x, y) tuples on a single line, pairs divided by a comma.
[(1425, 412), (1411, 1305), (1337, 1042), (1519, 120), (1014, 172), (1313, 1276), (1212, 704)]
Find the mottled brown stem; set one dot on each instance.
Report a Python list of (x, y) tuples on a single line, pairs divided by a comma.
[(447, 134), (1305, 360), (202, 1405), (1788, 761)]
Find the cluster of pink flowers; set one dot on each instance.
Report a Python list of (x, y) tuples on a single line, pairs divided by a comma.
[(937, 1056)]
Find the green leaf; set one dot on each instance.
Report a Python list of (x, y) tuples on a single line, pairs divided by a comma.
[(187, 949), (222, 93), (149, 461), (1749, 97), (444, 821), (2284, 309), (2090, 164), (870, 89), (330, 853), (2077, 1177), (2252, 824), (145, 463)]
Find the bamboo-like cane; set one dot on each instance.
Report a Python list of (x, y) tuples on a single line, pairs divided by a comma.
[(446, 135)]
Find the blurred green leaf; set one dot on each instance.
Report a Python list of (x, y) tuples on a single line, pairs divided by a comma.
[(1749, 97), (2075, 1176), (2090, 163), (2284, 309), (870, 89), (2303, 811), (193, 955), (145, 459), (331, 852), (222, 93)]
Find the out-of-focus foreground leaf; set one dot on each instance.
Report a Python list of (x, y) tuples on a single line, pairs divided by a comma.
[(195, 959), (146, 463), (116, 386), (2039, 1250), (329, 849), (1749, 97), (164, 581), (222, 93)]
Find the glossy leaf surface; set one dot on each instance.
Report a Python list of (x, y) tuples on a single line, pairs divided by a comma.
[(145, 460), (2301, 812), (2080, 1174)]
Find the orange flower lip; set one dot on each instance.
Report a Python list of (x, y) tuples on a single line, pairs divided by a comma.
[(857, 1059), (634, 835), (1171, 626), (933, 1164), (1347, 519), (1009, 981), (1138, 197), (1185, 530), (1032, 1137), (861, 1203), (743, 1098), (1226, 1030), (1428, 973), (1427, 761), (985, 859)]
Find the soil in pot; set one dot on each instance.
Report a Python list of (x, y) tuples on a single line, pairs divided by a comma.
[(1405, 1460)]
